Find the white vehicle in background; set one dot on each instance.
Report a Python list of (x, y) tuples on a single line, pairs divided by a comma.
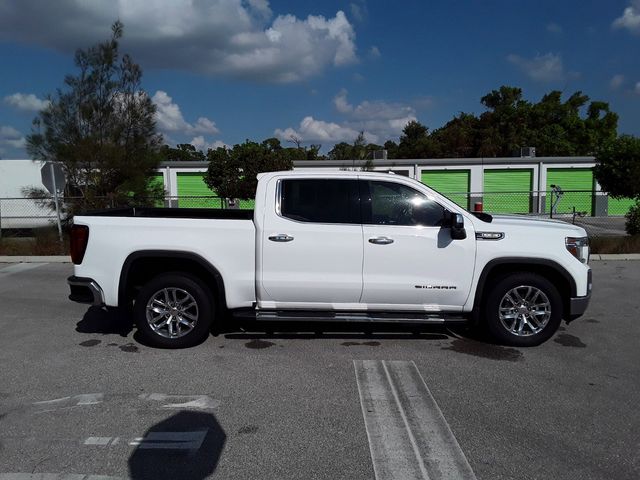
[(338, 246)]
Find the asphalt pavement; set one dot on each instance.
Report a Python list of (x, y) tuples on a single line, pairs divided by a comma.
[(82, 398)]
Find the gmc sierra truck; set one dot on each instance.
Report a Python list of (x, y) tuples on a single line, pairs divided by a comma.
[(338, 246)]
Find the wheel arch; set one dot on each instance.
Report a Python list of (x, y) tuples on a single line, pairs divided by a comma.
[(549, 269), (143, 265)]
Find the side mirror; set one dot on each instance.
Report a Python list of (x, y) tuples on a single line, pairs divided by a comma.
[(455, 221)]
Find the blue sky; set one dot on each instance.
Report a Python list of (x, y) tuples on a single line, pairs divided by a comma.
[(221, 71)]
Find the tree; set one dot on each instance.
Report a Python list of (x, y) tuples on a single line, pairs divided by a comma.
[(504, 127), (415, 142), (359, 150), (618, 167), (232, 172), (183, 152), (341, 151), (458, 138), (618, 173), (101, 128)]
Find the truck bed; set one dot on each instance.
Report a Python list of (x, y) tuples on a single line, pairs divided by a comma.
[(151, 212)]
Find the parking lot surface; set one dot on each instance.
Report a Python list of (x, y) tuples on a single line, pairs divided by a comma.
[(79, 395)]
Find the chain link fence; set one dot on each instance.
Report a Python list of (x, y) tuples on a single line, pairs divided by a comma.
[(594, 211), (20, 216)]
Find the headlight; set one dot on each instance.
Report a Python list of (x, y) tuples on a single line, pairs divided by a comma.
[(578, 247)]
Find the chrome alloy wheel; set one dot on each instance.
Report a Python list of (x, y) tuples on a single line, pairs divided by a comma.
[(172, 312), (525, 310)]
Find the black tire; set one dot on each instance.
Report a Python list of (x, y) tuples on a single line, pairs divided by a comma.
[(529, 335), (200, 306)]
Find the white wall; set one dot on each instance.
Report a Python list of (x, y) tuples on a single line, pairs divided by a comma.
[(15, 210), (17, 174)]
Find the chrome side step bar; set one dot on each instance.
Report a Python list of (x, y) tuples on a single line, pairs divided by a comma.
[(436, 318)]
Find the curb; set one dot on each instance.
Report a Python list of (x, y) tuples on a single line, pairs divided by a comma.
[(66, 259), (35, 259), (615, 256)]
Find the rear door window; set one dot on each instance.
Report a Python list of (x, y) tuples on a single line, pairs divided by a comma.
[(320, 200)]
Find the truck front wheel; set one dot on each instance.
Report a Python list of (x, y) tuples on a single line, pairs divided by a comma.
[(523, 309), (173, 310)]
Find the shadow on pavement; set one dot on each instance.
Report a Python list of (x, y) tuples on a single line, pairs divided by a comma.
[(185, 446), (105, 321)]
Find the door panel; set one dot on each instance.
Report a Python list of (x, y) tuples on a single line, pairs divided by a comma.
[(318, 262), (417, 263), (422, 266)]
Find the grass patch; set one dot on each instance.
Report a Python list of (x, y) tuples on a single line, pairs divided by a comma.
[(43, 242), (622, 244)]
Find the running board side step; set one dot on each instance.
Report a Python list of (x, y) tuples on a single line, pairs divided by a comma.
[(438, 318)]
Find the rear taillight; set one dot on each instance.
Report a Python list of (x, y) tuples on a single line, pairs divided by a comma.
[(79, 240)]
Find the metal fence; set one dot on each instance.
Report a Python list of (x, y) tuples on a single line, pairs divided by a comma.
[(594, 211)]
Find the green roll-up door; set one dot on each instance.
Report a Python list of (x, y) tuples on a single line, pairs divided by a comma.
[(507, 190), (453, 184), (620, 206), (577, 185), (191, 186), (157, 179)]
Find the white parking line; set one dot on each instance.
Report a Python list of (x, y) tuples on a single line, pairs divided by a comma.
[(181, 402), (17, 268), (101, 441), (409, 437), (55, 476), (171, 440), (159, 400), (66, 403)]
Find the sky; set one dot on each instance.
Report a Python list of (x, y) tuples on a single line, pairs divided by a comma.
[(222, 71)]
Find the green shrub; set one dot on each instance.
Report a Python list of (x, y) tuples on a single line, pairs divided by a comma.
[(633, 219)]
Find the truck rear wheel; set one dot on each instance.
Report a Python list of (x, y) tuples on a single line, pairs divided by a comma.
[(174, 310), (523, 310)]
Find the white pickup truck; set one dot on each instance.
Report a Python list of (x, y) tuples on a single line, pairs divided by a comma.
[(338, 246)]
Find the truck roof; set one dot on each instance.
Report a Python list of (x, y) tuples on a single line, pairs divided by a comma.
[(324, 173)]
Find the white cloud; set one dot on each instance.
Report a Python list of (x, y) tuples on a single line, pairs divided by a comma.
[(26, 101), (341, 103), (554, 28), (204, 125), (376, 109), (541, 68), (11, 137), (7, 131), (312, 130), (201, 144), (374, 52), (424, 102), (237, 38), (379, 120), (637, 88), (359, 10), (382, 119), (630, 19), (169, 117), (616, 81)]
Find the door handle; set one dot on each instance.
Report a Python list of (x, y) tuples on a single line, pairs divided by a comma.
[(381, 240), (281, 237)]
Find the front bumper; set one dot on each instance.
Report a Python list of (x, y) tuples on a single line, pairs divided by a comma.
[(85, 290), (578, 305)]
